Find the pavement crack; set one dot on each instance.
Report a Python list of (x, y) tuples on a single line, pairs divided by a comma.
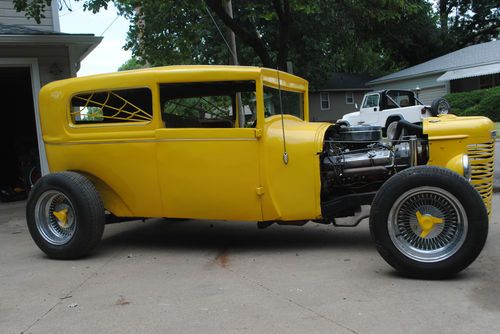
[(279, 295), (68, 295), (276, 293)]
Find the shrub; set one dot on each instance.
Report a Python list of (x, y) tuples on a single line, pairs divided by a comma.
[(482, 102), (490, 107)]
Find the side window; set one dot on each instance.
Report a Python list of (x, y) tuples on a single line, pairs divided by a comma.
[(324, 99), (349, 97), (114, 106), (371, 101), (402, 98), (208, 104), (292, 103)]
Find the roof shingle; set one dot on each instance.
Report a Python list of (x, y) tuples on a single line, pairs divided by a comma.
[(11, 29), (473, 55)]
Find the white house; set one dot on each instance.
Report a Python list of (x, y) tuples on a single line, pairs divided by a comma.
[(470, 68)]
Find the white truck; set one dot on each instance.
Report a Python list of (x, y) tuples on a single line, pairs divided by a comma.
[(386, 108)]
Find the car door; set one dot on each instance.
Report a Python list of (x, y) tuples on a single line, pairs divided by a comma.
[(369, 111), (208, 165)]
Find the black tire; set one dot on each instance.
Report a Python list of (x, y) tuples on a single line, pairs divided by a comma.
[(404, 185), (440, 106), (73, 192), (32, 173)]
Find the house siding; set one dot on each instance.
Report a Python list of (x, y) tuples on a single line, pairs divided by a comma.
[(430, 88), (338, 105), (429, 81), (8, 15), (47, 57)]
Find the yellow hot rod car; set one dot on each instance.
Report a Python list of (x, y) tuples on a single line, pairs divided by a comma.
[(235, 143)]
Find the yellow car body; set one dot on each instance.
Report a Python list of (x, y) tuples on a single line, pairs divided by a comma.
[(143, 169)]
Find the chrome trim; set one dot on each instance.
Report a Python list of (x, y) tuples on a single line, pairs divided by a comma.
[(466, 167), (413, 151)]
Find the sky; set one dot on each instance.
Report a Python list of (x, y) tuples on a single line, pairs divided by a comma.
[(108, 55)]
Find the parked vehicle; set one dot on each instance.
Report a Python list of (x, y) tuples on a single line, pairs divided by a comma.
[(386, 108), (168, 142)]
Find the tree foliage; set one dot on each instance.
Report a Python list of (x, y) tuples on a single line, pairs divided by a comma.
[(132, 64), (464, 23), (319, 37)]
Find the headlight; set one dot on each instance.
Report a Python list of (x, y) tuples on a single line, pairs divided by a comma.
[(466, 166)]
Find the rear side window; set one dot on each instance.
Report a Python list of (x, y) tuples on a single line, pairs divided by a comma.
[(114, 106), (402, 98)]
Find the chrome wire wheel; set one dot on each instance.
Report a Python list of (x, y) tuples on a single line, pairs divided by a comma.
[(427, 224), (55, 217)]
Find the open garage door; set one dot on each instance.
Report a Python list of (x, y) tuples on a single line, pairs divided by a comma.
[(18, 134), (427, 95)]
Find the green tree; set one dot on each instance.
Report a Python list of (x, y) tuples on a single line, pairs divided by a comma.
[(319, 37), (464, 23), (132, 64)]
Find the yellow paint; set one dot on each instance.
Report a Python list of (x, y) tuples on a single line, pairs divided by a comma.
[(62, 216), (145, 170), (427, 223), (450, 137), (142, 169)]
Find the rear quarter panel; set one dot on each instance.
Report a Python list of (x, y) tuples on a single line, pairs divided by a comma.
[(120, 159)]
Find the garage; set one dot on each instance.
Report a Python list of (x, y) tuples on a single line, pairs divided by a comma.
[(18, 135), (427, 95), (29, 59)]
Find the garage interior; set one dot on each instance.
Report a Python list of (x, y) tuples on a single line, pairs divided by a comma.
[(18, 136)]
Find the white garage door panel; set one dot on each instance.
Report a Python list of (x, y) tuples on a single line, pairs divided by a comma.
[(427, 95)]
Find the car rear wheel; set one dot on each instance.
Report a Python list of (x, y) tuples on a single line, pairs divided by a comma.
[(428, 222), (65, 215)]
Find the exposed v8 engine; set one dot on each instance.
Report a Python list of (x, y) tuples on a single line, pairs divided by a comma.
[(356, 159)]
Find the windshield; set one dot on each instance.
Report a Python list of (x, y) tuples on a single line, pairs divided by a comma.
[(292, 102)]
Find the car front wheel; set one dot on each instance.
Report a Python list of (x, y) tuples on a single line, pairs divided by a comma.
[(428, 222)]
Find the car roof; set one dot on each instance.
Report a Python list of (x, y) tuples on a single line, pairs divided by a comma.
[(178, 73), (384, 91)]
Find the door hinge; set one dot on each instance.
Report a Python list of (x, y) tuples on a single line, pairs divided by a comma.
[(258, 133), (260, 191)]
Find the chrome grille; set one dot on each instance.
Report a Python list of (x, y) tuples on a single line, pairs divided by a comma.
[(481, 158)]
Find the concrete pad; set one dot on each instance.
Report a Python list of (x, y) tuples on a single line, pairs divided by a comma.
[(216, 277)]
